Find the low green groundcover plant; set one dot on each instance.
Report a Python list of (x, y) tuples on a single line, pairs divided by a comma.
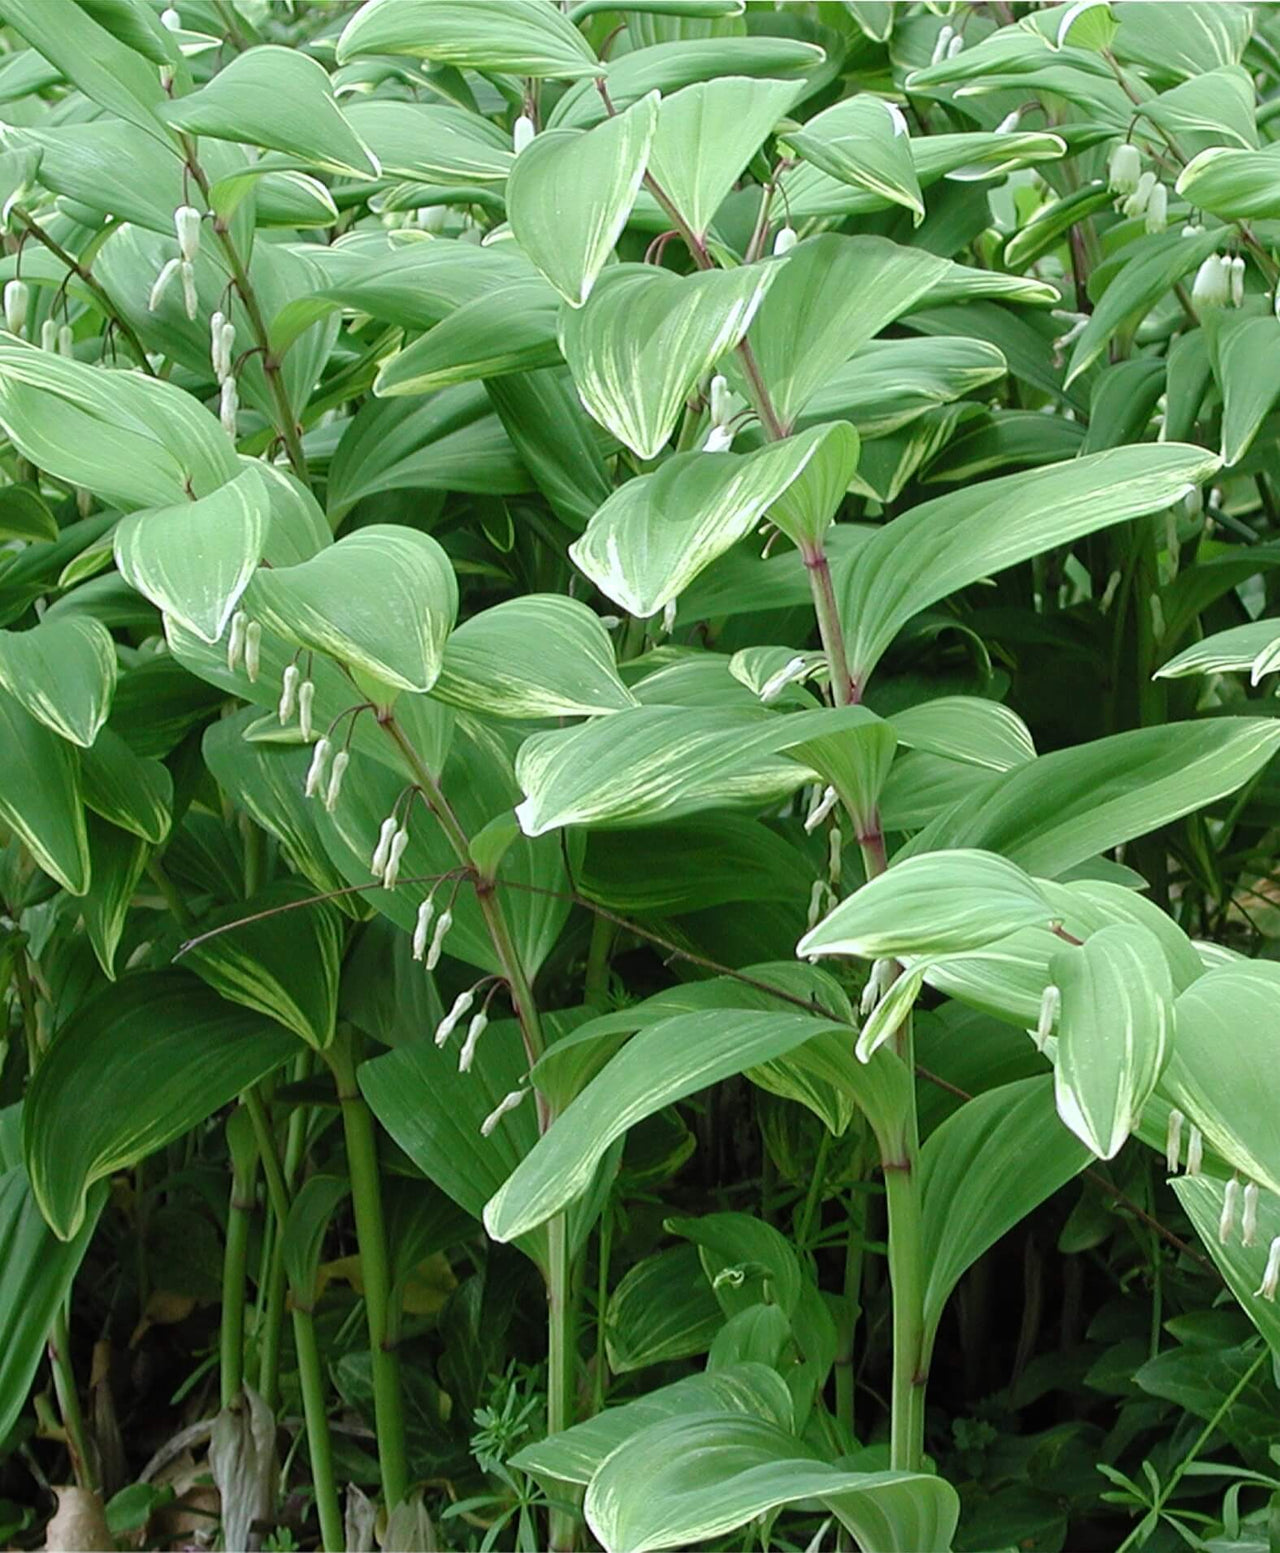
[(636, 775)]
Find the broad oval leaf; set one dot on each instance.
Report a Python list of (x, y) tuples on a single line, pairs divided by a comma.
[(382, 601), (935, 903), (646, 337), (655, 534), (138, 1065), (280, 98), (523, 37), (64, 672), (665, 1063), (1113, 1031), (864, 282), (689, 1479), (488, 665), (662, 762), (864, 142), (1253, 647), (277, 956), (950, 542), (1068, 806), (707, 133), (981, 1172), (193, 560), (574, 1455), (40, 795), (570, 192), (36, 1271), (1220, 1072)]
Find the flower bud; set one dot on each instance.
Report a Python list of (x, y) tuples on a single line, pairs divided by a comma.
[(461, 1005), (522, 132), (443, 924), (1212, 285), (66, 340), (720, 400), (1124, 169), (306, 702), (170, 19), (17, 298), (49, 336), (1158, 209), (426, 911), (229, 405), (252, 650), (941, 43), (1237, 281), (669, 610), (817, 898), (1173, 1141), (167, 272), (719, 440), (1271, 1277), (316, 770), (878, 983), (479, 1023), (190, 296), (235, 640), (777, 683), (835, 856), (1249, 1218), (186, 223), (166, 77), (507, 1103), (821, 809), (1136, 204), (382, 851), (785, 241), (288, 694), (1195, 1152), (226, 345), (954, 47), (340, 763), (1009, 123), (1227, 1218), (391, 873)]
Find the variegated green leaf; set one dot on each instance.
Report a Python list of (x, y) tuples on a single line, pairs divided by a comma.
[(646, 337), (945, 544), (660, 762), (665, 1063), (64, 672), (1255, 647), (40, 795), (488, 665), (504, 35), (936, 903), (193, 560), (655, 534), (1114, 1026), (707, 133), (570, 192), (863, 141), (690, 1479), (381, 601), (282, 961)]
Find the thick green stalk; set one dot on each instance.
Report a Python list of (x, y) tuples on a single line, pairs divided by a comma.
[(272, 1328), (907, 1275), (847, 1326), (366, 1196), (319, 1443), (84, 1466), (844, 691), (231, 1337)]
